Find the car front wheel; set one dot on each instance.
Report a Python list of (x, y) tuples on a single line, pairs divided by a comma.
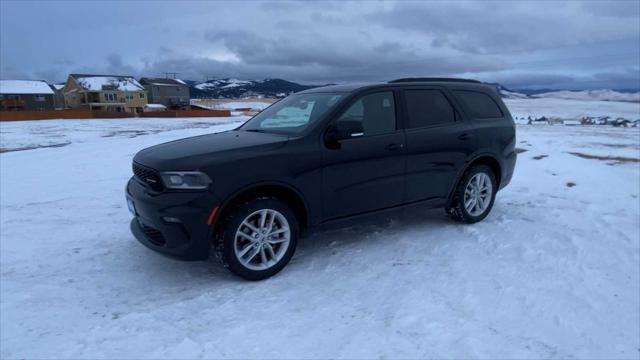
[(258, 239)]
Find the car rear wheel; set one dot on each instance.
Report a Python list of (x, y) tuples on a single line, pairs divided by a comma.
[(258, 239), (474, 195)]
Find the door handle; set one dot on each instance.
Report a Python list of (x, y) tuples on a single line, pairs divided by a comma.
[(393, 147), (465, 136)]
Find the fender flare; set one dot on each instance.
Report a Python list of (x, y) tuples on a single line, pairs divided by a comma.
[(229, 199), (466, 167)]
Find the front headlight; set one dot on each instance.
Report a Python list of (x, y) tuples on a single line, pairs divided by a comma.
[(188, 180)]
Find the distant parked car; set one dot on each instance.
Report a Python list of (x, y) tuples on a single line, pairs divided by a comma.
[(319, 156)]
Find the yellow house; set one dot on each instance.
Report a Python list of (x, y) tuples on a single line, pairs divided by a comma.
[(105, 92)]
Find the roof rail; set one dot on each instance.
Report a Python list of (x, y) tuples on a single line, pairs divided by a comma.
[(433, 79)]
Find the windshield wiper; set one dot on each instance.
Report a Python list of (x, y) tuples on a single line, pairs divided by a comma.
[(256, 130)]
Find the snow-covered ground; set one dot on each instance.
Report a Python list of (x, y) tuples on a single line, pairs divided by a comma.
[(553, 272), (572, 109), (255, 105)]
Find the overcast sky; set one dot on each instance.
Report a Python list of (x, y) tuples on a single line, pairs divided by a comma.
[(540, 44)]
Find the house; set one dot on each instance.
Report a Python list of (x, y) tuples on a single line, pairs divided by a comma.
[(104, 92), (20, 95), (58, 96), (172, 93)]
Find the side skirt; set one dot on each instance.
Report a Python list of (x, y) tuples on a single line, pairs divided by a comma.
[(350, 220)]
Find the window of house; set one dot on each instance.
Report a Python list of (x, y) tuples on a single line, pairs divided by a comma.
[(141, 95), (481, 105), (376, 112), (428, 107), (13, 97), (39, 98)]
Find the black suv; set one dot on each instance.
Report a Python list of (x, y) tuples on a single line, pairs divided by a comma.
[(318, 156)]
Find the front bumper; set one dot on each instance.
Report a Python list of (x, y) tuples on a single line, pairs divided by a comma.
[(172, 223)]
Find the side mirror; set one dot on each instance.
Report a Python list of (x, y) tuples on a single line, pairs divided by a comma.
[(343, 130)]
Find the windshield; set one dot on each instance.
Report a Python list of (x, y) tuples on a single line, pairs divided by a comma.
[(293, 114)]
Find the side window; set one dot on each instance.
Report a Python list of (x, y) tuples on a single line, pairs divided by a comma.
[(377, 112), (481, 105), (428, 107)]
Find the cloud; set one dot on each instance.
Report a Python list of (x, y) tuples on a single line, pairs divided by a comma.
[(622, 9), (523, 43), (500, 27)]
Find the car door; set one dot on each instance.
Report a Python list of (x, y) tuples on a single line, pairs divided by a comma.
[(438, 143), (367, 172)]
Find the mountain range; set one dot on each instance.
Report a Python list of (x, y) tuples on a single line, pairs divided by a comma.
[(235, 88)]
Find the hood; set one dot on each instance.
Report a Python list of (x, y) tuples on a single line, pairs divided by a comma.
[(200, 151)]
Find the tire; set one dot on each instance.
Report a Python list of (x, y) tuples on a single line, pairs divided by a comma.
[(241, 237), (471, 214)]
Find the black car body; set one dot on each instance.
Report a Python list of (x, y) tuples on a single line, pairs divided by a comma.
[(345, 160)]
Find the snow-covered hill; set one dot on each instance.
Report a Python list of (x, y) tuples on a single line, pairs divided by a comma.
[(235, 88), (601, 95), (506, 93)]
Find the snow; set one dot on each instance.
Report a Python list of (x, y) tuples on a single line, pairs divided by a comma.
[(233, 104), (155, 106), (553, 272), (58, 86), (98, 83), (512, 94), (24, 87), (571, 109), (602, 95), (226, 84), (255, 105)]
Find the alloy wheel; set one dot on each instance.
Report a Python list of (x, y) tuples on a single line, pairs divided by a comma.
[(262, 239), (477, 194)]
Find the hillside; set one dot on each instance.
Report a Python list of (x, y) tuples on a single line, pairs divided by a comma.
[(231, 88), (235, 88), (601, 95)]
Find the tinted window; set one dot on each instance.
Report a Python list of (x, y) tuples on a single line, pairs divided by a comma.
[(428, 107), (376, 112), (480, 105)]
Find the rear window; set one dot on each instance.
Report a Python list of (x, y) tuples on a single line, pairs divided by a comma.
[(428, 107), (481, 105)]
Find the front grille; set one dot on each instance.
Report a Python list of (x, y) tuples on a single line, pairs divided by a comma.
[(147, 176), (155, 236)]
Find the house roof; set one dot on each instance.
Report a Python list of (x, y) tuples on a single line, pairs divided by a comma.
[(24, 87), (162, 82), (58, 86), (107, 82)]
